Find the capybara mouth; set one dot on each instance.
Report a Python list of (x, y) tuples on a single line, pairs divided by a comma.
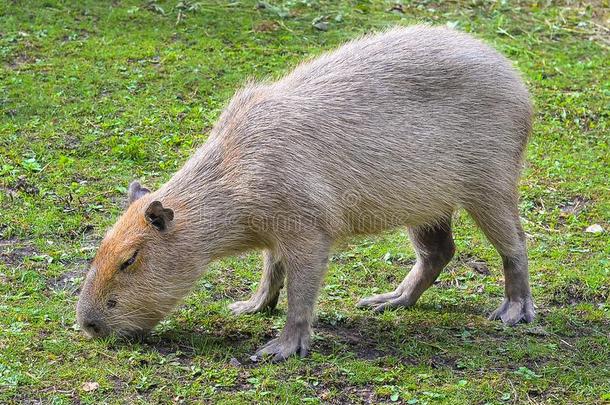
[(127, 335), (131, 335)]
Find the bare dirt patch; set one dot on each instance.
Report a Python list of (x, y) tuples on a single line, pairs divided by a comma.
[(69, 281), (476, 264), (573, 206), (13, 251), (352, 338), (20, 61), (266, 26), (576, 291), (21, 184)]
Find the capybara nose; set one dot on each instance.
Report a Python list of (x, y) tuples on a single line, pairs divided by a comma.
[(90, 321), (92, 327)]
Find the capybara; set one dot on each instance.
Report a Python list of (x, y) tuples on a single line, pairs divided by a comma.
[(400, 128)]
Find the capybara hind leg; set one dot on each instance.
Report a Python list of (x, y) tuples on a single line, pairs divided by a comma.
[(268, 291), (434, 248), (305, 262), (502, 227)]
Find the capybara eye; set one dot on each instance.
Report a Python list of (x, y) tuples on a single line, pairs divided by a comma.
[(129, 262), (111, 304)]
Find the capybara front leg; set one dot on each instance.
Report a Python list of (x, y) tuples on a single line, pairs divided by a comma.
[(268, 291), (306, 263)]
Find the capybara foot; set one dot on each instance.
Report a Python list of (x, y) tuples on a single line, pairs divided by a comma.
[(512, 312), (279, 349), (255, 304), (381, 302)]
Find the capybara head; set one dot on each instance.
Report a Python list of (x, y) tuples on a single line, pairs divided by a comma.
[(134, 280)]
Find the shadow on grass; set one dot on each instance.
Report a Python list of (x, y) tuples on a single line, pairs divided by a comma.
[(364, 335), (424, 335), (412, 333)]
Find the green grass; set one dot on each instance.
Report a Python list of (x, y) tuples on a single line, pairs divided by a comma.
[(94, 94)]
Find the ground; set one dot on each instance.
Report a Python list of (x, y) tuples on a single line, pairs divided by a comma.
[(94, 94)]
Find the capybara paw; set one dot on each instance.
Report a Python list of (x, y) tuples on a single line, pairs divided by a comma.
[(512, 312), (256, 303), (381, 302), (247, 307), (279, 349)]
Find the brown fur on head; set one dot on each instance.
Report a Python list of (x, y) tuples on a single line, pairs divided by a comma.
[(131, 285)]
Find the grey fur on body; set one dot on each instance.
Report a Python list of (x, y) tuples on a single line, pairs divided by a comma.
[(400, 128)]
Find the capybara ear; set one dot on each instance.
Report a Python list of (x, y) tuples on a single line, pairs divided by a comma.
[(158, 216), (136, 191)]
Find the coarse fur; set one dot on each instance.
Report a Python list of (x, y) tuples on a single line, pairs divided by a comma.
[(395, 129)]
